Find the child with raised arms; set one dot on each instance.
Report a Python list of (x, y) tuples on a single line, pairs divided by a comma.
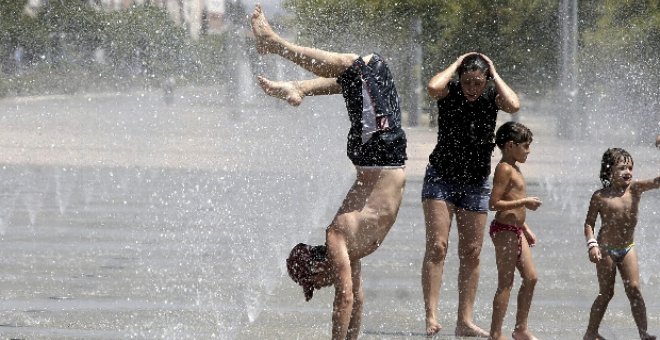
[(510, 233), (617, 204)]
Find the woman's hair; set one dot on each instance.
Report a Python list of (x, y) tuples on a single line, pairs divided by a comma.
[(512, 131), (473, 62), (610, 158)]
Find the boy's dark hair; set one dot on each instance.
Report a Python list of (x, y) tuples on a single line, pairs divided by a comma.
[(512, 131), (300, 265), (473, 62), (610, 158)]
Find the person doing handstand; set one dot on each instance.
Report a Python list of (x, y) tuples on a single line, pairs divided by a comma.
[(617, 204), (377, 148), (510, 233)]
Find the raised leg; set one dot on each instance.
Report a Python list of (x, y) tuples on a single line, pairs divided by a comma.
[(322, 63), (294, 91)]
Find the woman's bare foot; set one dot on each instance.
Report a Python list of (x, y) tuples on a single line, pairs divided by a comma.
[(523, 334), (593, 336), (470, 330), (285, 90), (432, 328), (266, 39)]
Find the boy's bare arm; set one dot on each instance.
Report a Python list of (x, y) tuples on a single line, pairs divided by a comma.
[(358, 299), (501, 181), (343, 302), (589, 224), (647, 184), (529, 235)]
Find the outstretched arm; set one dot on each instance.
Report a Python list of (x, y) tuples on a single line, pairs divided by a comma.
[(647, 184), (507, 99), (438, 85)]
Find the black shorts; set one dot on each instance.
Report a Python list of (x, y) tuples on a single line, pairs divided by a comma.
[(385, 148)]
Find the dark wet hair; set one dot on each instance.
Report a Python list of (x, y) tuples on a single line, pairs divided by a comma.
[(473, 62), (301, 263), (610, 158), (512, 131)]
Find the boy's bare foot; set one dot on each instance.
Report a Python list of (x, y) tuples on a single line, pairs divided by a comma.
[(265, 37), (284, 90), (657, 141), (593, 336), (523, 334), (470, 330), (432, 328)]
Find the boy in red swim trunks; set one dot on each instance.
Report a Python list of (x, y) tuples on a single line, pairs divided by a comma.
[(510, 234)]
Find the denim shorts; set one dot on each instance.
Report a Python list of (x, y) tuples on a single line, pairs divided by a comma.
[(471, 197)]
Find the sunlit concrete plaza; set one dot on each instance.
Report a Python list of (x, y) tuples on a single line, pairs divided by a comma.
[(124, 217)]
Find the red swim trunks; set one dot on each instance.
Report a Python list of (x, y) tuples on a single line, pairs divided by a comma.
[(496, 227)]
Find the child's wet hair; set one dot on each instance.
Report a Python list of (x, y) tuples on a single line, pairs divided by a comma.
[(512, 131), (610, 158), (301, 264)]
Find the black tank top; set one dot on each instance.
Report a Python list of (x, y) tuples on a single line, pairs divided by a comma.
[(466, 131)]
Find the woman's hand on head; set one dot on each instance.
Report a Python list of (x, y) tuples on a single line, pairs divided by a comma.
[(491, 66)]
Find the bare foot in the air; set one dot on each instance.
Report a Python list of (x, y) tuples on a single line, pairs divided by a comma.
[(470, 330), (284, 90), (432, 328), (523, 334), (267, 40)]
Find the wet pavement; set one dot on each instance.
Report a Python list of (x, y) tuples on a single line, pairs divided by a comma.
[(124, 217)]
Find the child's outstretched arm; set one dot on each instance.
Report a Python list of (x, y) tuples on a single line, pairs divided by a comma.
[(589, 224), (646, 184)]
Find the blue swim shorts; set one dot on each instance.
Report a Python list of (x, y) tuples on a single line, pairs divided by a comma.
[(471, 197)]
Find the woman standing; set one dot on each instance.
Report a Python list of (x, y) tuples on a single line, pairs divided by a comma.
[(456, 183)]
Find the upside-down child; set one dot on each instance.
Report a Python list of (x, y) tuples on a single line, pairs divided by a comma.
[(377, 148), (510, 233), (617, 204)]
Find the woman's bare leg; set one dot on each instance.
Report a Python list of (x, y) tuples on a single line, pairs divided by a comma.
[(470, 226), (437, 216), (294, 91), (321, 63)]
